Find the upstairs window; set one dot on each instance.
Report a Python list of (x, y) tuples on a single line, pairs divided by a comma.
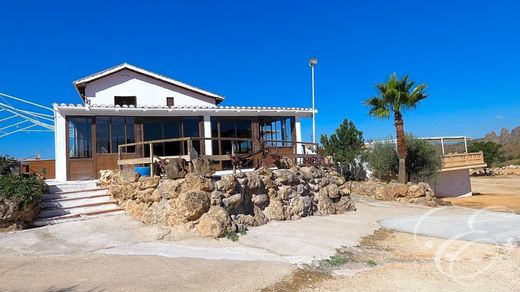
[(125, 100), (170, 101)]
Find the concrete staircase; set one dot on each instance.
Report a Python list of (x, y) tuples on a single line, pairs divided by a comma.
[(75, 200)]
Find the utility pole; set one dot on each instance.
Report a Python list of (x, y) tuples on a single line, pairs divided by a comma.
[(312, 63)]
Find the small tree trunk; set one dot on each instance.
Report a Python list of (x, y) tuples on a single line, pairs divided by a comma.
[(401, 176), (402, 149)]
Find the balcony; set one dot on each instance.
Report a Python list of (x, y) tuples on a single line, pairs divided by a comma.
[(462, 161)]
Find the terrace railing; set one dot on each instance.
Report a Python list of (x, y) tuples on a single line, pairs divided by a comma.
[(462, 161), (145, 150)]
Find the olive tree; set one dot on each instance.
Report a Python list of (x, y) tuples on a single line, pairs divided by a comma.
[(422, 162)]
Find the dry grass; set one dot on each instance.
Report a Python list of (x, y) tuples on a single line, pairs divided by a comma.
[(502, 193)]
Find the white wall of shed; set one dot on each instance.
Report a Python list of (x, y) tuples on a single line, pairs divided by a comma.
[(454, 183)]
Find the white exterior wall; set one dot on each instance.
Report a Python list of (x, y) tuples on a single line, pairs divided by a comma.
[(148, 91), (60, 146), (298, 130), (454, 183), (207, 134)]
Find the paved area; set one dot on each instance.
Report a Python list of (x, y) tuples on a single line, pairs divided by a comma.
[(461, 224), (64, 254)]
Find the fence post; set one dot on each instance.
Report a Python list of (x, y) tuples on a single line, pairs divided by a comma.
[(151, 160)]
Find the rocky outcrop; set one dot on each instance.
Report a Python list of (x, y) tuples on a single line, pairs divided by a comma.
[(421, 193), (12, 213), (510, 141), (214, 207)]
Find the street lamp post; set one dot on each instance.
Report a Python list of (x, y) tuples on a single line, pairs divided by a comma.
[(312, 63)]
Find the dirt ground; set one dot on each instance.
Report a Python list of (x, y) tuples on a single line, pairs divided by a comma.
[(393, 261), (96, 272), (501, 193), (322, 253)]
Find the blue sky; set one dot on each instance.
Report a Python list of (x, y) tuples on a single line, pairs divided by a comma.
[(255, 53)]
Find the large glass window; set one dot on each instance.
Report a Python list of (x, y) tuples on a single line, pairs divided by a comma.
[(112, 132), (118, 132), (190, 127), (231, 128), (103, 134), (166, 128), (276, 131), (80, 137), (130, 133)]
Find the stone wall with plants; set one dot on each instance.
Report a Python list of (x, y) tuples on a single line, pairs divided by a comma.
[(20, 197), (214, 207)]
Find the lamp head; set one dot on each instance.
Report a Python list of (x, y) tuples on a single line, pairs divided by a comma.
[(313, 61)]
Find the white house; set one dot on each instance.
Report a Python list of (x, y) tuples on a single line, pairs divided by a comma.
[(130, 105)]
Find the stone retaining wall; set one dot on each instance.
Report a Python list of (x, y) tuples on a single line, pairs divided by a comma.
[(14, 214), (216, 207), (421, 193)]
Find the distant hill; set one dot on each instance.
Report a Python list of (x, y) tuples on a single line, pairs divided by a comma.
[(510, 141)]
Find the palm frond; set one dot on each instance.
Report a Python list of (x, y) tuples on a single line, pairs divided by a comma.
[(395, 94), (378, 107)]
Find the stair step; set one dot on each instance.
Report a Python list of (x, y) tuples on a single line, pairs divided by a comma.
[(67, 217), (71, 185), (78, 191), (76, 202), (74, 199), (74, 195), (82, 209)]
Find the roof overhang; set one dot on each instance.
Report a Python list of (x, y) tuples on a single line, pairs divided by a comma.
[(94, 110), (80, 84)]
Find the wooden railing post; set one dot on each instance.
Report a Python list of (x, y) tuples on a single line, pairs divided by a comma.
[(189, 145), (119, 156), (151, 160)]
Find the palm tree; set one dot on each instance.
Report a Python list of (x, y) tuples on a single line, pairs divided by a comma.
[(394, 96)]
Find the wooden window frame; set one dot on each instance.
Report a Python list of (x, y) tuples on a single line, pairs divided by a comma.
[(132, 98), (168, 99)]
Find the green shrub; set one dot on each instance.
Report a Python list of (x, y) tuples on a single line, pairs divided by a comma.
[(334, 261), (422, 162), (509, 162), (383, 160), (371, 263), (24, 189), (242, 230), (232, 235)]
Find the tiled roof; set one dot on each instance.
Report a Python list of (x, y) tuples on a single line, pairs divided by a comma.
[(185, 107)]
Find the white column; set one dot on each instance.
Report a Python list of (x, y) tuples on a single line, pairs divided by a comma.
[(207, 134), (298, 128), (60, 146)]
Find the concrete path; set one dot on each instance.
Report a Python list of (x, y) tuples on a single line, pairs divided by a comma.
[(299, 241), (458, 223), (109, 252)]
